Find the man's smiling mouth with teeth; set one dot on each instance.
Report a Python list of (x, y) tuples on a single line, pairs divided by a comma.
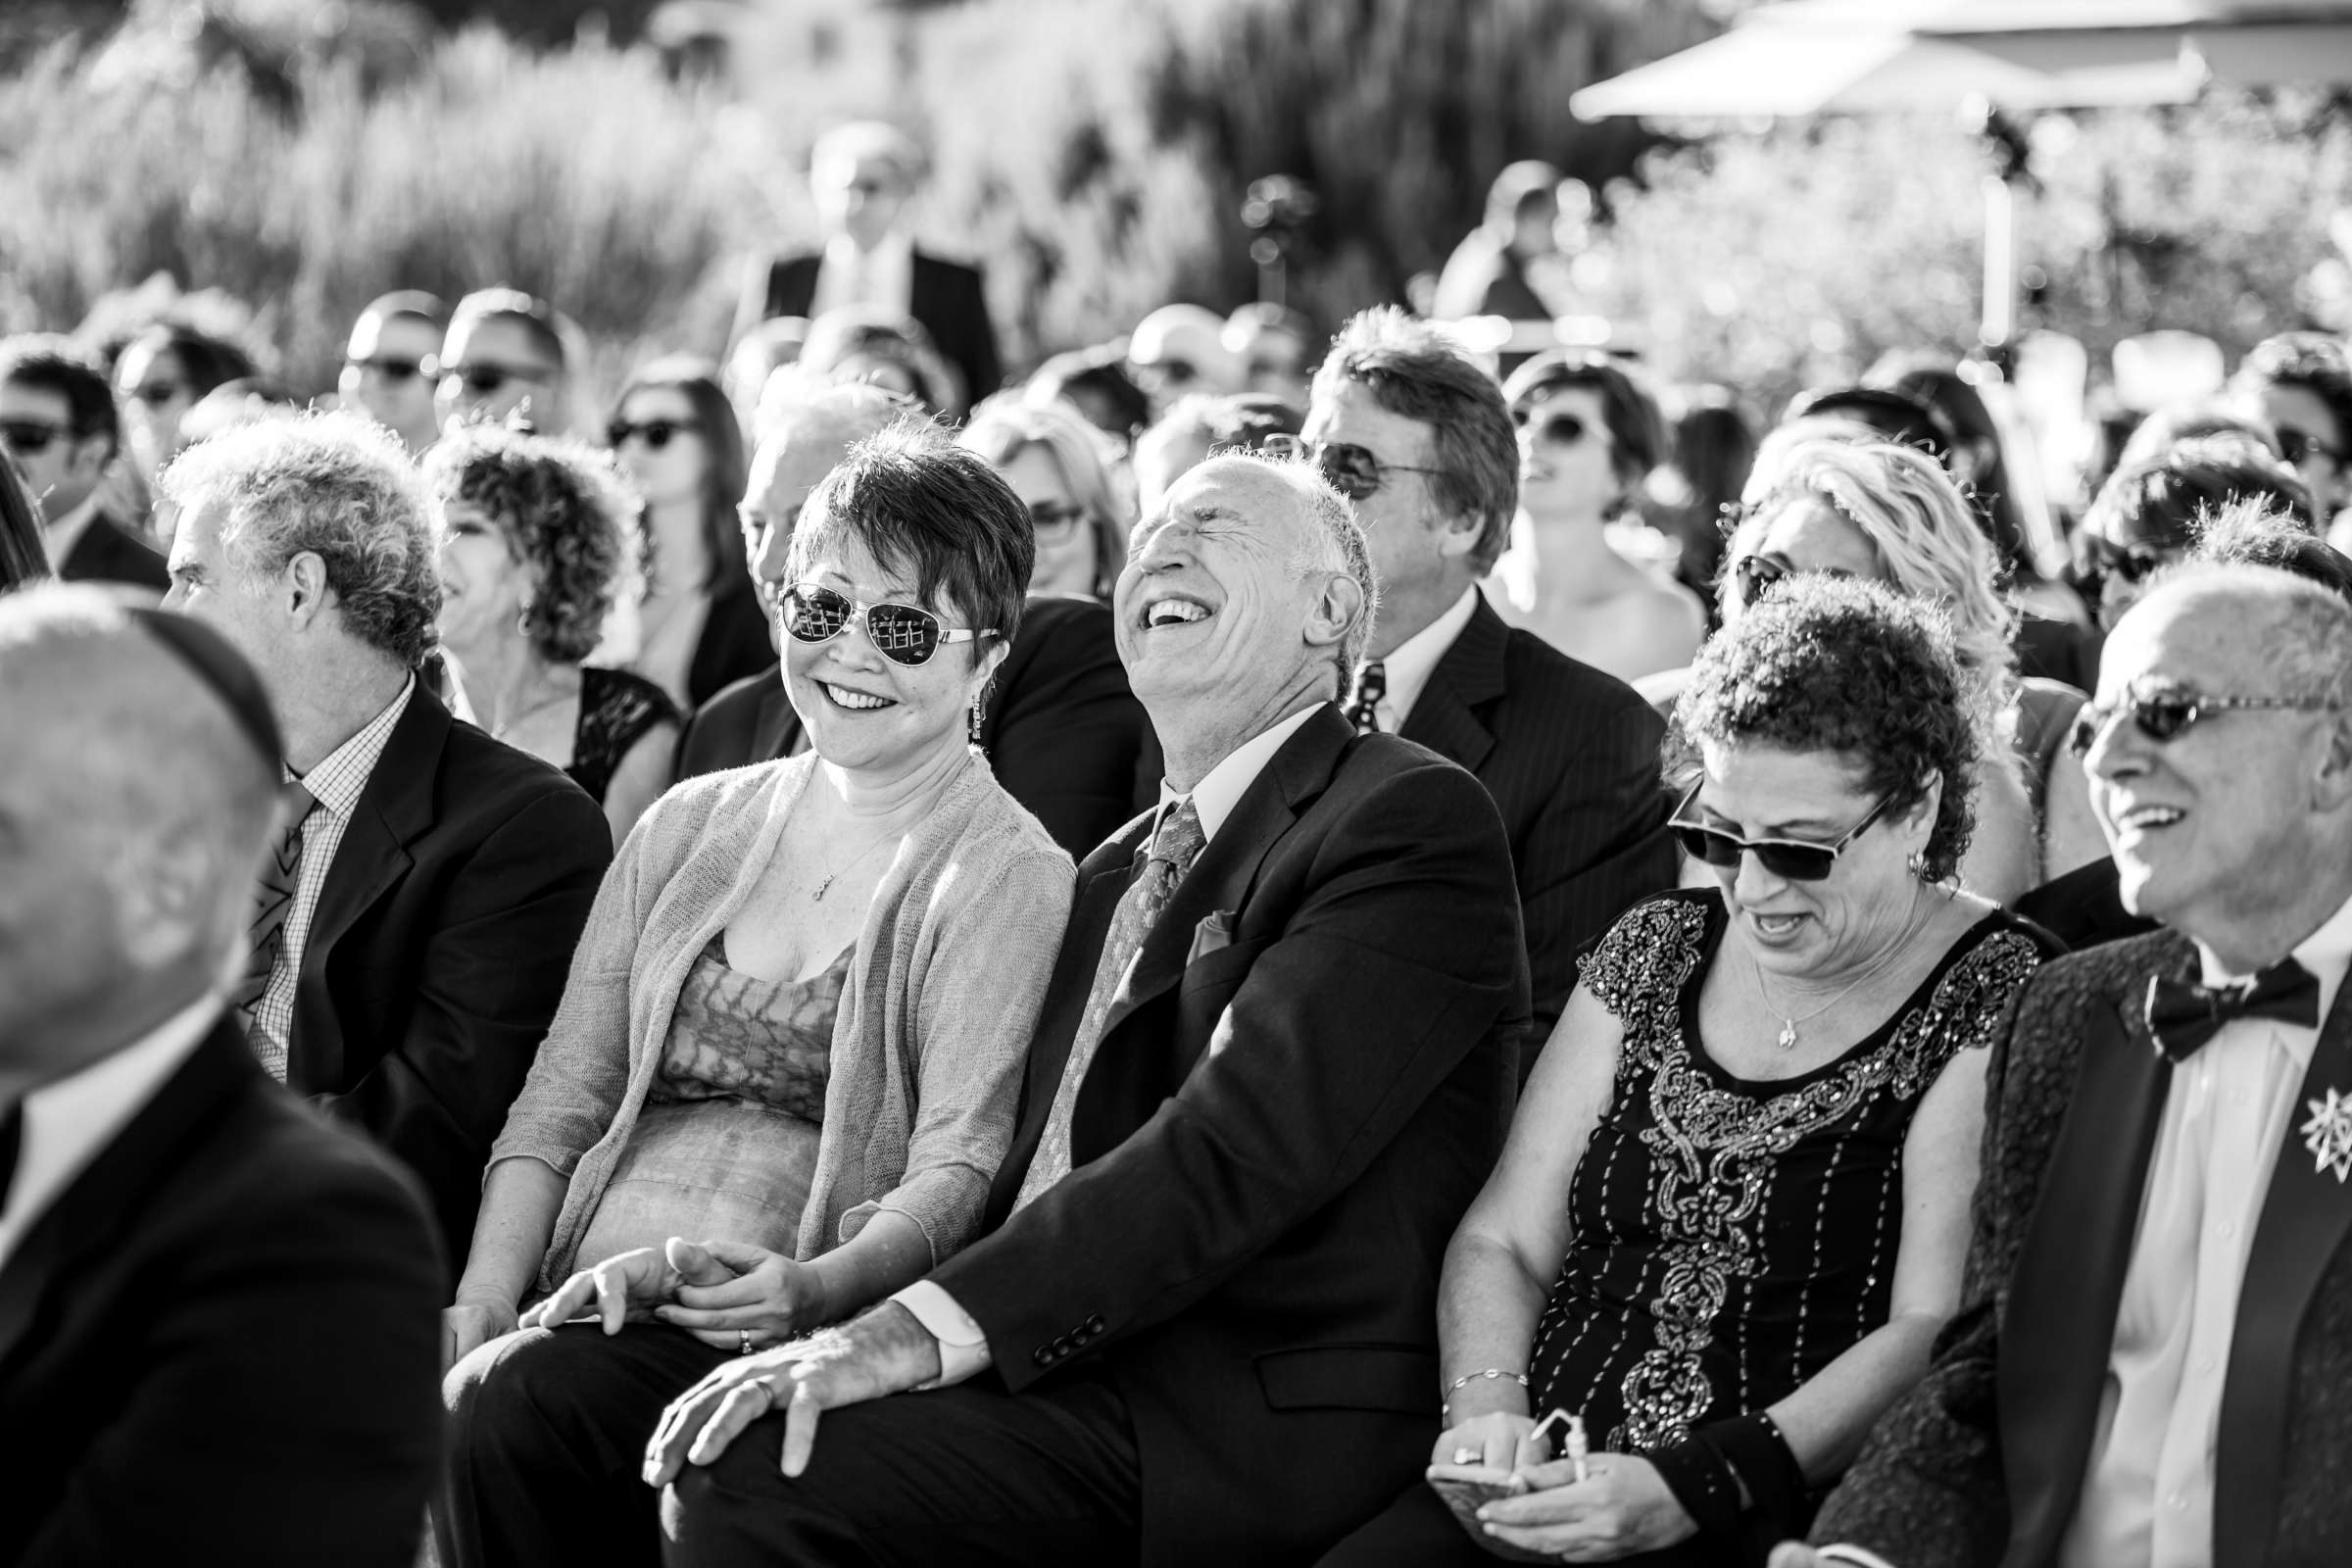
[(1174, 611)]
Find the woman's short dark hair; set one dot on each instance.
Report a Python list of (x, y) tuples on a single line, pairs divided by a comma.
[(913, 499), (1413, 371), (1851, 668), (204, 360), (23, 557), (1095, 381), (1637, 429), (698, 381), (566, 513), (2166, 500)]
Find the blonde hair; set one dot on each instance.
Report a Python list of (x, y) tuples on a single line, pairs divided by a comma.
[(1003, 425)]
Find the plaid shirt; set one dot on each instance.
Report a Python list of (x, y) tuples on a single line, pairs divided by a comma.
[(336, 783)]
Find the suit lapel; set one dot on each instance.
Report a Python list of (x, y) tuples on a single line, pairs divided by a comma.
[(2059, 1324), (1469, 675), (99, 1206), (395, 807), (2305, 1216), (1228, 866), (779, 725)]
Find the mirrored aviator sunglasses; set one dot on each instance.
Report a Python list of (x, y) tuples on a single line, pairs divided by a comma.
[(1354, 471), (904, 634)]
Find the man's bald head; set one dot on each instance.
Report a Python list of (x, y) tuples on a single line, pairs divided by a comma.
[(802, 437), (134, 804)]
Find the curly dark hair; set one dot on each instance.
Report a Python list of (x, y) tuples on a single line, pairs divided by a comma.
[(1852, 667), (566, 517)]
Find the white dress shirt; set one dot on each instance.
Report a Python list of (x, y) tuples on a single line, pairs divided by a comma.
[(336, 784), (962, 1346), (2147, 1495), (69, 1121), (882, 278), (1408, 669)]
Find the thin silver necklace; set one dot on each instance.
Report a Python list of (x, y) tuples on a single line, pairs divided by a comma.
[(834, 876), (1787, 1036)]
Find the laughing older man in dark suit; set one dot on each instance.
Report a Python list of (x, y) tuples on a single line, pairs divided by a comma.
[(2153, 1365)]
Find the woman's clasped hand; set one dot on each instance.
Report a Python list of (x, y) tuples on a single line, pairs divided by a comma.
[(1621, 1507), (726, 1293)]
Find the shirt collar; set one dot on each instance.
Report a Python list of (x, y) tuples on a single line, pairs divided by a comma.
[(2326, 953), (1416, 660), (69, 1120), (340, 778), (59, 537), (1216, 795)]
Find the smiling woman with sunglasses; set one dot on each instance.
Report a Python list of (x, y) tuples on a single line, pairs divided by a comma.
[(1589, 436), (698, 626), (1732, 1213), (786, 1065)]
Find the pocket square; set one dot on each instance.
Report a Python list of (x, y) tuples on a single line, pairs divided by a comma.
[(1213, 934)]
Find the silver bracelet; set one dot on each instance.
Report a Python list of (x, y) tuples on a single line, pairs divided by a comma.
[(1488, 1374)]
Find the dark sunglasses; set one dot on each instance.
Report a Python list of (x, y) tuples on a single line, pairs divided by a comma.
[(392, 369), (1353, 471), (2296, 446), (901, 633), (484, 381), (1755, 576), (2095, 560), (2161, 715), (155, 394), (1054, 521), (657, 432), (1559, 425), (1792, 860), (29, 438)]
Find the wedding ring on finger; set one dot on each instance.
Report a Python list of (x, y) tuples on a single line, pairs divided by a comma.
[(745, 1335), (1467, 1454)]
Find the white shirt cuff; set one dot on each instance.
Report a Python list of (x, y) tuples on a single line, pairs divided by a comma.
[(1860, 1556), (963, 1345)]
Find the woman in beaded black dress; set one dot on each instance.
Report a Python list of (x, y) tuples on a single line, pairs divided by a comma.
[(535, 535), (1732, 1214)]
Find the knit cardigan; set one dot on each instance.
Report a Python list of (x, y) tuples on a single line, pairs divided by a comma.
[(928, 1044)]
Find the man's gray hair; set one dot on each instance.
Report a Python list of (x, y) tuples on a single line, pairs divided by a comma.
[(333, 486), (2308, 637), (1337, 545)]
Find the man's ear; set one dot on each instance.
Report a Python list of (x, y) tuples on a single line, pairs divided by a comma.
[(2332, 789), (1458, 534), (1336, 608), (87, 458), (303, 588)]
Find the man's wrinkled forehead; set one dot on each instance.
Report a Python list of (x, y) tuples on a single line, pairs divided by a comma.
[(1236, 495), (2200, 636)]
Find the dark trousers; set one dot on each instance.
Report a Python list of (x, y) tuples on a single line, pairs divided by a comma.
[(546, 1439), (969, 1475)]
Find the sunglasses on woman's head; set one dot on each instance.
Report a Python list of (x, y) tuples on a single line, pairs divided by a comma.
[(1054, 521), (1559, 425), (657, 432), (904, 634), (1791, 859), (1755, 576), (2163, 713), (1354, 471)]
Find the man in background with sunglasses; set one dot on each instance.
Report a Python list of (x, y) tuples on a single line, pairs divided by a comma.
[(391, 364), (2300, 385), (2153, 1361), (57, 424), (1272, 1067), (1421, 441)]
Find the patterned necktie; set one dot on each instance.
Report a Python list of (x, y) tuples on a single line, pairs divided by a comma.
[(2183, 1015), (1172, 853), (1371, 685), (273, 902)]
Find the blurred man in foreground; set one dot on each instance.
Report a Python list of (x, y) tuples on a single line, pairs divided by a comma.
[(218, 1324)]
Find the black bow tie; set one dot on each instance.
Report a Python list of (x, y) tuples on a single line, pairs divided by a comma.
[(2183, 1015)]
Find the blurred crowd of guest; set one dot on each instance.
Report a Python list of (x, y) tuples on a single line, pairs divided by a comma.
[(1253, 947)]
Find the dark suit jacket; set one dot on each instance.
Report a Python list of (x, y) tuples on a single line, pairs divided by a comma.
[(106, 551), (949, 298), (221, 1342), (1571, 757), (439, 948), (1063, 731), (1985, 1461), (1302, 1084), (734, 643), (2084, 907)]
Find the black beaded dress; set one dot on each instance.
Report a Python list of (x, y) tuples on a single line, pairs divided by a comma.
[(1733, 1238), (616, 708)]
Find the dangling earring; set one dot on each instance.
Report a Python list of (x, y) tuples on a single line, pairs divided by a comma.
[(1916, 862), (979, 709), (523, 620)]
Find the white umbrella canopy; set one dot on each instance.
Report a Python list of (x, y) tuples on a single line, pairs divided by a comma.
[(1816, 57)]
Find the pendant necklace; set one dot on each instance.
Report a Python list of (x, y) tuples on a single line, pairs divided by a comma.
[(1787, 1039), (834, 876)]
